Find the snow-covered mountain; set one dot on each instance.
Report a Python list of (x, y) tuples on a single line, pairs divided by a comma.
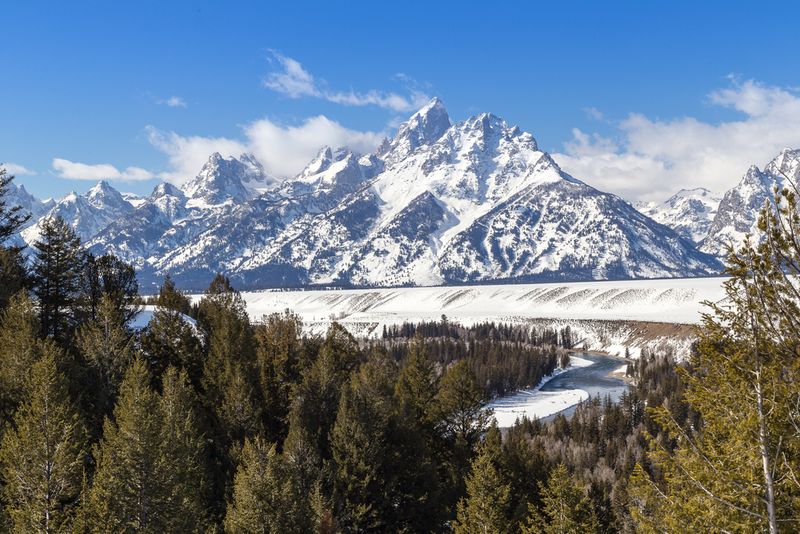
[(689, 212), (87, 214), (438, 203), (738, 211)]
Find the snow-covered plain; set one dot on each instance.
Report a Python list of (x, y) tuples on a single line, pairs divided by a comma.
[(664, 301), (535, 403)]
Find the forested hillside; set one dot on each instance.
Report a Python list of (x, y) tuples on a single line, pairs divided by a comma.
[(204, 421)]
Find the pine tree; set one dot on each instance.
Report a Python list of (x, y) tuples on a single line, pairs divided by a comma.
[(462, 420), (565, 507), (108, 277), (11, 217), (13, 274), (315, 404), (487, 507), (416, 386), (170, 297), (56, 277), (185, 456), (266, 495), (130, 488), (170, 340), (279, 351), (106, 345), (20, 348), (365, 485), (229, 376), (737, 471), (43, 455)]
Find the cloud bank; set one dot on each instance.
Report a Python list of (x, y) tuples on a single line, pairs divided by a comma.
[(294, 81), (651, 159), (103, 171), (283, 150), (14, 169)]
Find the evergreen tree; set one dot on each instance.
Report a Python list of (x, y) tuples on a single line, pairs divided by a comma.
[(11, 217), (170, 297), (463, 421), (130, 488), (279, 351), (266, 495), (565, 507), (20, 348), (185, 456), (13, 274), (56, 277), (365, 486), (229, 376), (43, 455), (416, 387), (315, 403), (106, 345), (737, 471), (170, 340), (487, 507), (108, 277)]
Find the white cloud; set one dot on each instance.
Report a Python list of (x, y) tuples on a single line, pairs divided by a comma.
[(593, 113), (651, 159), (175, 102), (103, 171), (296, 82), (283, 150), (14, 169)]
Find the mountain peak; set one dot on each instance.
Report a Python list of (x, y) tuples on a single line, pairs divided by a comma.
[(787, 163), (222, 179), (424, 127)]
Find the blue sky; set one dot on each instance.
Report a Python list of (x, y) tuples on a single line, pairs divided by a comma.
[(632, 97)]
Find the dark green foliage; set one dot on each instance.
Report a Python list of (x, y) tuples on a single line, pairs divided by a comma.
[(486, 509), (170, 340), (565, 507), (279, 355), (20, 348), (266, 494), (56, 278), (111, 278), (42, 457), (13, 276), (169, 296), (11, 217)]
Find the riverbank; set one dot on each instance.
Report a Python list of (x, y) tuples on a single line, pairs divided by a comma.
[(589, 375)]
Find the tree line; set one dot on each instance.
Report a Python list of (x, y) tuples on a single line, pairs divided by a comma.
[(205, 421)]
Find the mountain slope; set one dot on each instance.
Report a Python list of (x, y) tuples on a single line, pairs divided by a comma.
[(87, 214), (738, 211), (689, 212), (440, 203)]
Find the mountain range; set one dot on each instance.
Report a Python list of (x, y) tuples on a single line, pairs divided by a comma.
[(440, 203)]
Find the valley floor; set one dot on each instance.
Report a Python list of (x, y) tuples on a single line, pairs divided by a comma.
[(613, 316)]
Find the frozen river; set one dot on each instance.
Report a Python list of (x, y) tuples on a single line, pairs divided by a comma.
[(588, 375)]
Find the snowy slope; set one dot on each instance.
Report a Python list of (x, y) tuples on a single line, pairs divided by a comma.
[(737, 214), (87, 214), (689, 212), (441, 202), (615, 317), (669, 301)]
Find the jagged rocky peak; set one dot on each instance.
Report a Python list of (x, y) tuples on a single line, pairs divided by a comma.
[(425, 127), (166, 189), (786, 164), (104, 195), (222, 179)]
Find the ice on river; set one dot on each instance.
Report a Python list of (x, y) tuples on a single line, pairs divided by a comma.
[(536, 403)]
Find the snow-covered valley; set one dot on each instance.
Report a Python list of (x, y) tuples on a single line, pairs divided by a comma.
[(612, 317)]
